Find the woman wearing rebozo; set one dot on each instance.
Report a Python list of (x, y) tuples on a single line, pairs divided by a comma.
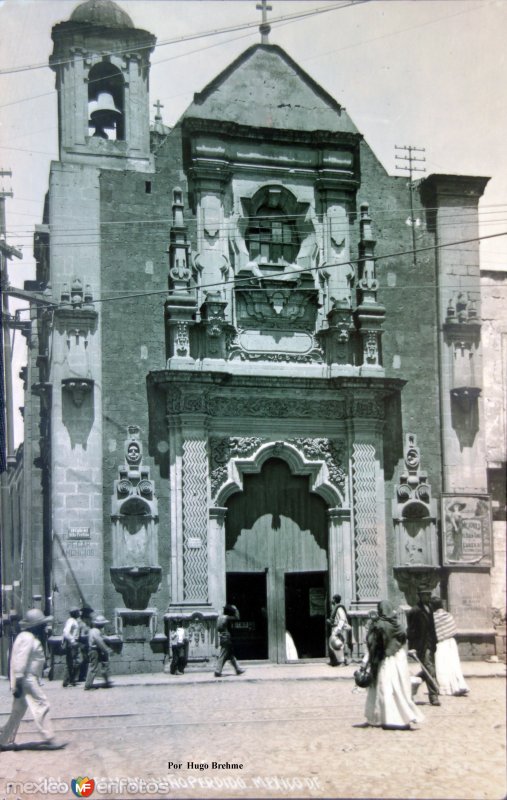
[(389, 702), (447, 664)]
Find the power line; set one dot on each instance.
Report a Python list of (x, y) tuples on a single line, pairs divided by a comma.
[(247, 281), (226, 229), (449, 213), (190, 37)]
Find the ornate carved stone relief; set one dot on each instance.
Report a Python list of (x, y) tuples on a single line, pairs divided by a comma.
[(135, 572), (415, 526), (256, 404), (324, 450), (222, 450), (251, 405)]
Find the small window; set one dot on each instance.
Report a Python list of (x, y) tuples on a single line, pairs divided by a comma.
[(147, 187)]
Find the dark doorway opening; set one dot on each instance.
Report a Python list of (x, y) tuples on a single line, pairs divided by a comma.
[(247, 591), (305, 612)]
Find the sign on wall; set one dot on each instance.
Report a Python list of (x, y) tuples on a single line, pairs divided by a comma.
[(466, 525)]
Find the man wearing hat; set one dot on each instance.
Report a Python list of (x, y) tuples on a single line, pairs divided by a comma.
[(98, 653), (224, 626), (27, 663), (422, 638), (71, 647), (85, 623)]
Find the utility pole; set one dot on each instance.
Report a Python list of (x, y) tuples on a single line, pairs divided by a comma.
[(7, 455), (7, 458), (410, 166)]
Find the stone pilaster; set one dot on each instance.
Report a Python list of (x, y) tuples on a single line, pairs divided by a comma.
[(216, 557), (341, 567), (368, 500), (189, 510)]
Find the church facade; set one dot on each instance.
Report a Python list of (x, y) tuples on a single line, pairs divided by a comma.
[(243, 384)]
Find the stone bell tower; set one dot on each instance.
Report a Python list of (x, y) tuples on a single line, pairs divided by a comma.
[(102, 68), (102, 65)]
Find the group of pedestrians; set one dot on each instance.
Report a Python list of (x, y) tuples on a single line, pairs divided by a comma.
[(390, 699), (85, 649), (86, 653), (225, 625), (430, 638)]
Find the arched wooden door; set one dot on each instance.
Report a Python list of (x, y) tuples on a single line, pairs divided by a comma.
[(277, 564)]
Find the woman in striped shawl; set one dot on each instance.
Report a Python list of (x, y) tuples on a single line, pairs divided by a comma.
[(447, 664)]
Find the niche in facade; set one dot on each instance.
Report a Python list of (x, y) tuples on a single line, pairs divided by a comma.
[(135, 572), (106, 102)]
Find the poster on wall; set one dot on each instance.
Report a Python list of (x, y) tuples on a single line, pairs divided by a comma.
[(466, 524)]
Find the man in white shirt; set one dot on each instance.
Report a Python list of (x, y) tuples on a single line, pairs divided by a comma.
[(71, 647), (178, 646), (27, 663)]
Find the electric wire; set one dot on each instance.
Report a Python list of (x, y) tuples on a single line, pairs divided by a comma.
[(251, 281), (190, 37), (446, 218)]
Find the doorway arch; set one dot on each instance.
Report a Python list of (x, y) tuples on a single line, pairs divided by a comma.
[(276, 559), (304, 457)]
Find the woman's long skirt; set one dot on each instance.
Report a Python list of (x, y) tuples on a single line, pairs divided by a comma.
[(448, 668), (389, 701)]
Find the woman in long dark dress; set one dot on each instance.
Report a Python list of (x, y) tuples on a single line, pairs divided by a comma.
[(389, 701)]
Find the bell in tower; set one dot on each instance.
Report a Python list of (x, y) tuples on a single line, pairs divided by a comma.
[(106, 101), (102, 65)]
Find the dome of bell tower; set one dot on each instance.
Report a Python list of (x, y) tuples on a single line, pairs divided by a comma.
[(102, 13)]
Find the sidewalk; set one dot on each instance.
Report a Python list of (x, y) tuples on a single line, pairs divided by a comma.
[(264, 671)]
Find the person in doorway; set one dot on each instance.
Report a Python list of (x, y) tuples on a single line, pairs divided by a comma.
[(179, 643), (70, 646), (224, 626), (27, 663), (447, 664), (389, 701), (423, 639), (340, 639), (85, 623), (98, 653)]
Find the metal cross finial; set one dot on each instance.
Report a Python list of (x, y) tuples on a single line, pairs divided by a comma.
[(264, 27), (158, 105)]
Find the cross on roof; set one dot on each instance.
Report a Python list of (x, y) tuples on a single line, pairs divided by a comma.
[(158, 105), (264, 27)]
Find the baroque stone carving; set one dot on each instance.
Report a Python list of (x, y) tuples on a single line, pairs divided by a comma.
[(222, 450), (136, 584), (414, 515), (251, 406), (182, 340), (135, 573), (325, 450)]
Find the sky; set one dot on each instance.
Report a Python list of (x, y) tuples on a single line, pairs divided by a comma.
[(426, 73)]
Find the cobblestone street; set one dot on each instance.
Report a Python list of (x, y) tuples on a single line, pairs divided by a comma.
[(297, 731)]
